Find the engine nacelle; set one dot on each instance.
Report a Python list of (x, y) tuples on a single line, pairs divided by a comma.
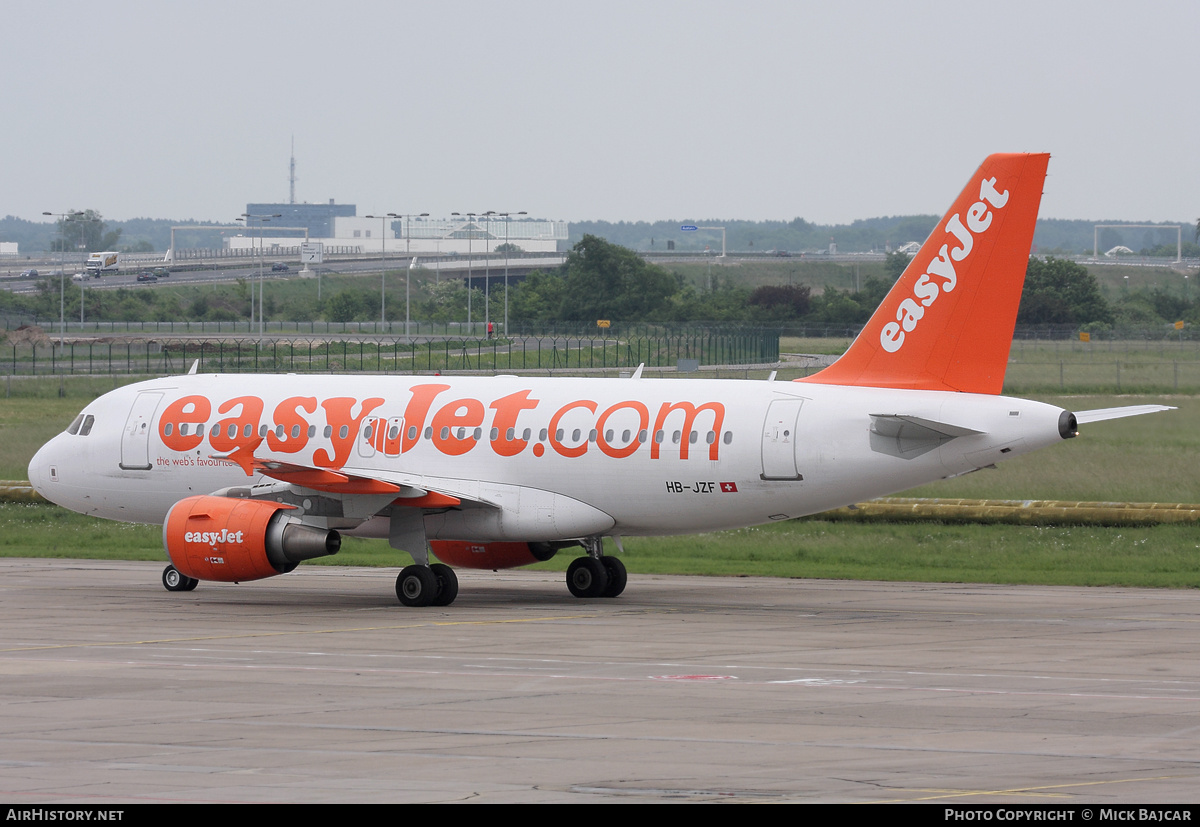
[(218, 538), (467, 555)]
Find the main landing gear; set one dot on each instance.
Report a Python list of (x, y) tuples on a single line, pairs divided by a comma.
[(433, 585), (596, 575), (174, 580)]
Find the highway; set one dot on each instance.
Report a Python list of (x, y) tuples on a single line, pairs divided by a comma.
[(451, 267)]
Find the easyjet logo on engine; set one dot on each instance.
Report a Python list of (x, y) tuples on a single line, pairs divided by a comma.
[(940, 276), (517, 423), (213, 538)]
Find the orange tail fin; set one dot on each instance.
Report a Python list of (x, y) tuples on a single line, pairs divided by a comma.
[(947, 324)]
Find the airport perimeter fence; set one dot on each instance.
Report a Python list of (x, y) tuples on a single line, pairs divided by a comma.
[(416, 328), (1111, 336), (383, 355)]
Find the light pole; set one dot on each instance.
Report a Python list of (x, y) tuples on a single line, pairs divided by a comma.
[(63, 217), (82, 268), (470, 238), (383, 266), (408, 217), (487, 271), (261, 219), (507, 216)]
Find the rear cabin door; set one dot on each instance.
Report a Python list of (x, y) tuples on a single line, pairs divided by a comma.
[(779, 440)]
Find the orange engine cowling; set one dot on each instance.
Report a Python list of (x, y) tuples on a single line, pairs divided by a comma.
[(218, 538), (493, 555)]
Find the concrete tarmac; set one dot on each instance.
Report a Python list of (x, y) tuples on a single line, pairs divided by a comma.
[(319, 687)]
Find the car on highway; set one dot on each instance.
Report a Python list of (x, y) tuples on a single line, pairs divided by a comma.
[(29, 274), (146, 275), (161, 272), (279, 267)]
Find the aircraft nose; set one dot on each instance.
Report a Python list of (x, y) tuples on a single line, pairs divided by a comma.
[(43, 469)]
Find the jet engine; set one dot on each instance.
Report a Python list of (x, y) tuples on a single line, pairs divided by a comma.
[(217, 538), (469, 555)]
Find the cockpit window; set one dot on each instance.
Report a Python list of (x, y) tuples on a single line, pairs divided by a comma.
[(81, 425)]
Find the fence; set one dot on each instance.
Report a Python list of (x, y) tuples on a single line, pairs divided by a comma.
[(395, 355)]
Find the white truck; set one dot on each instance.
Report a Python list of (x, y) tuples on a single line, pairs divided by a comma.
[(107, 262)]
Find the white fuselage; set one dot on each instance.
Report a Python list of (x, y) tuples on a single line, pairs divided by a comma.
[(545, 458)]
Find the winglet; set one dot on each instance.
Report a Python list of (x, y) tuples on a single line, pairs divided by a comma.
[(947, 324)]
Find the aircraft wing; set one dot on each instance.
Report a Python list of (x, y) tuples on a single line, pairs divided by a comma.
[(1101, 414), (338, 482)]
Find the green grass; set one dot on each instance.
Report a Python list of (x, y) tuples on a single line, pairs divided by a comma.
[(1158, 556)]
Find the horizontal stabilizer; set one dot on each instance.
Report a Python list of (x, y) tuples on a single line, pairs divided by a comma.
[(1101, 414), (911, 426)]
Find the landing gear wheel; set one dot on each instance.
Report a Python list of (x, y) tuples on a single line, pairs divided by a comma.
[(586, 577), (174, 580), (447, 584), (416, 586), (617, 576)]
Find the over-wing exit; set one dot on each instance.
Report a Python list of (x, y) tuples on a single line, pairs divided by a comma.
[(250, 476)]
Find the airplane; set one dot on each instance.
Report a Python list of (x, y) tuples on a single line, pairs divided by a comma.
[(251, 475)]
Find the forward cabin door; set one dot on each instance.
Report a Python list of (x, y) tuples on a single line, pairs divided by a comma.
[(135, 439)]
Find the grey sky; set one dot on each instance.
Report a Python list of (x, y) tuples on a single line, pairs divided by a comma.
[(613, 110)]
